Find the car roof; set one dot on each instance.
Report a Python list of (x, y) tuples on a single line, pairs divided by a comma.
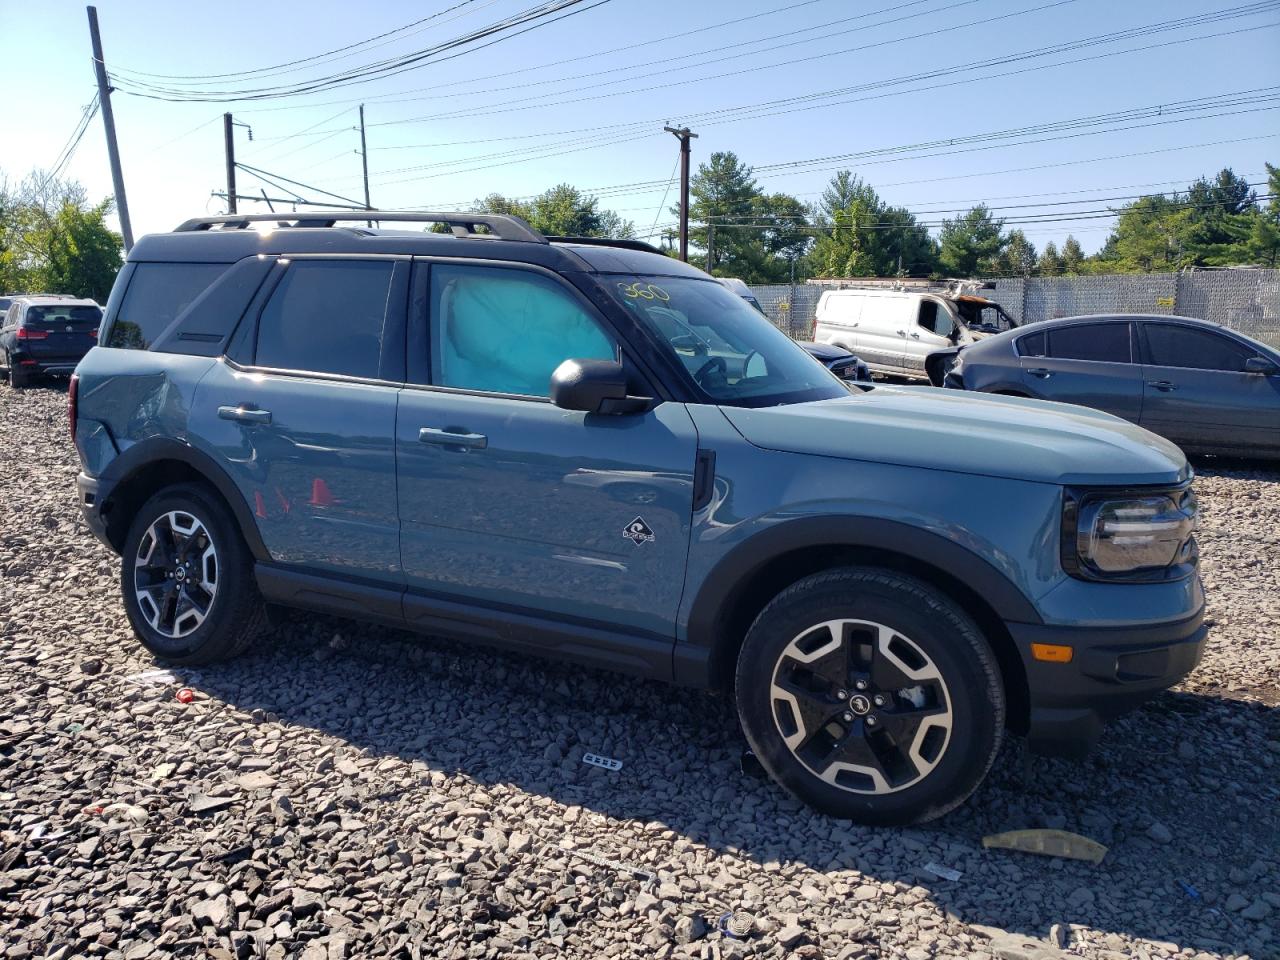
[(227, 240), (1111, 318), (57, 299)]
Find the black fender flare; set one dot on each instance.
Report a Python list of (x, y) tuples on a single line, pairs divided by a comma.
[(718, 591), (137, 458)]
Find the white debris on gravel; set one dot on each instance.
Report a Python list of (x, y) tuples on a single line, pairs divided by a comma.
[(391, 796)]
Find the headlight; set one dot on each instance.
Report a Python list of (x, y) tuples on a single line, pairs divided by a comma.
[(1130, 535)]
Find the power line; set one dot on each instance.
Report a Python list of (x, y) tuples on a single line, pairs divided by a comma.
[(531, 19), (744, 112), (719, 25), (292, 65), (953, 146), (87, 113), (583, 94), (816, 229)]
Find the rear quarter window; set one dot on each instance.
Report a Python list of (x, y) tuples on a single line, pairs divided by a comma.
[(1031, 346), (157, 294)]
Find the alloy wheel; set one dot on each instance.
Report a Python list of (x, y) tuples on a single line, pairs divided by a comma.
[(861, 706), (175, 574)]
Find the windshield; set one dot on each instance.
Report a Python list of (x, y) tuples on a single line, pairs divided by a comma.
[(732, 353)]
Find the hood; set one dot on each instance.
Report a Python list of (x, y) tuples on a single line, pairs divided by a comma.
[(963, 432)]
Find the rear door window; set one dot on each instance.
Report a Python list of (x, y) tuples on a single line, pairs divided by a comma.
[(327, 316), (1170, 345), (1100, 342), (157, 294)]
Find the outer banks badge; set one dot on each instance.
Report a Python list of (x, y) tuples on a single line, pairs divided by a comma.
[(638, 532)]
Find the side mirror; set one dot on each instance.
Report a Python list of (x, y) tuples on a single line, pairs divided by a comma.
[(595, 386), (1260, 365)]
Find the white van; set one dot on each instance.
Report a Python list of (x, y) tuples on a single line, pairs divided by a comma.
[(891, 330)]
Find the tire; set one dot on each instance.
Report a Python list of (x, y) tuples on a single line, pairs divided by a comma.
[(19, 379), (209, 611), (908, 758)]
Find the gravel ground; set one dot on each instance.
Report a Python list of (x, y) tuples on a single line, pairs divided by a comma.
[(349, 791)]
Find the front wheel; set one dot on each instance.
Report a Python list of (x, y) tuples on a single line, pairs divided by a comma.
[(871, 696), (187, 579)]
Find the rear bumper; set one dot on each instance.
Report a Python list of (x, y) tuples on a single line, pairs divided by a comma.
[(1111, 671), (91, 492), (56, 366)]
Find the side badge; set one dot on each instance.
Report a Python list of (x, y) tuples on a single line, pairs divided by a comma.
[(638, 532)]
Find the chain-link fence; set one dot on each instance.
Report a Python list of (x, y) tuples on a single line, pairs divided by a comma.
[(1247, 300), (791, 307)]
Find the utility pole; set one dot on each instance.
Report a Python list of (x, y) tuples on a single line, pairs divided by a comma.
[(684, 136), (109, 123), (364, 159), (711, 242), (228, 137)]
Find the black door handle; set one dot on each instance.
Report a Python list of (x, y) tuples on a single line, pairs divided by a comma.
[(453, 437), (1163, 385), (244, 414), (1042, 372)]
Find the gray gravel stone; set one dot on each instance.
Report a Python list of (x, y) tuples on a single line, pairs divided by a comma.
[(388, 795)]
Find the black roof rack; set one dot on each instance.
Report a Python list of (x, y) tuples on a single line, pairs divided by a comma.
[(499, 226), (607, 242)]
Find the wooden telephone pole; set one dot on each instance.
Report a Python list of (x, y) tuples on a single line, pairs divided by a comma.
[(109, 123), (684, 136)]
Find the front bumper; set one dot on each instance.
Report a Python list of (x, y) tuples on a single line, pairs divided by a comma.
[(90, 494), (1112, 670)]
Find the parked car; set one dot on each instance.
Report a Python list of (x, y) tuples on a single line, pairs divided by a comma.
[(740, 288), (893, 331), (839, 361), (43, 334), (496, 437), (1207, 388)]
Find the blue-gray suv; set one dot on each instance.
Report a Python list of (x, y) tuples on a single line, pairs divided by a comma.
[(585, 449)]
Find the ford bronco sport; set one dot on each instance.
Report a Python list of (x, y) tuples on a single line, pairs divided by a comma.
[(585, 449)]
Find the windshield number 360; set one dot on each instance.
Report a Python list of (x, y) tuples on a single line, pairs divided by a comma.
[(644, 291)]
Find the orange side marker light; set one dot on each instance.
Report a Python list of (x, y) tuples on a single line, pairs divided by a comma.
[(1052, 652)]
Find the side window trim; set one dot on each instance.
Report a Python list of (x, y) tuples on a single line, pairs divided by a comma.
[(421, 327)]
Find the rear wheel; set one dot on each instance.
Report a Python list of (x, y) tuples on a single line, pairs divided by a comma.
[(187, 579), (871, 696), (19, 378)]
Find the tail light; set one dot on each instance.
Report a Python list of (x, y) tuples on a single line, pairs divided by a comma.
[(22, 333), (73, 396)]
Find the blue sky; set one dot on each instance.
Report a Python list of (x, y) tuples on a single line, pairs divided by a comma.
[(596, 121)]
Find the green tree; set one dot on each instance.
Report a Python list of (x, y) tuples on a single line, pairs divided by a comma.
[(562, 211), (1050, 264), (970, 245), (52, 239), (861, 235), (722, 205), (1072, 256), (1263, 242), (1018, 258)]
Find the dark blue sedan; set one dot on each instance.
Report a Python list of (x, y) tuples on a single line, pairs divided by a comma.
[(1205, 387)]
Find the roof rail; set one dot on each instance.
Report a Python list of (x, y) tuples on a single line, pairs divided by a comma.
[(499, 226), (608, 242)]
